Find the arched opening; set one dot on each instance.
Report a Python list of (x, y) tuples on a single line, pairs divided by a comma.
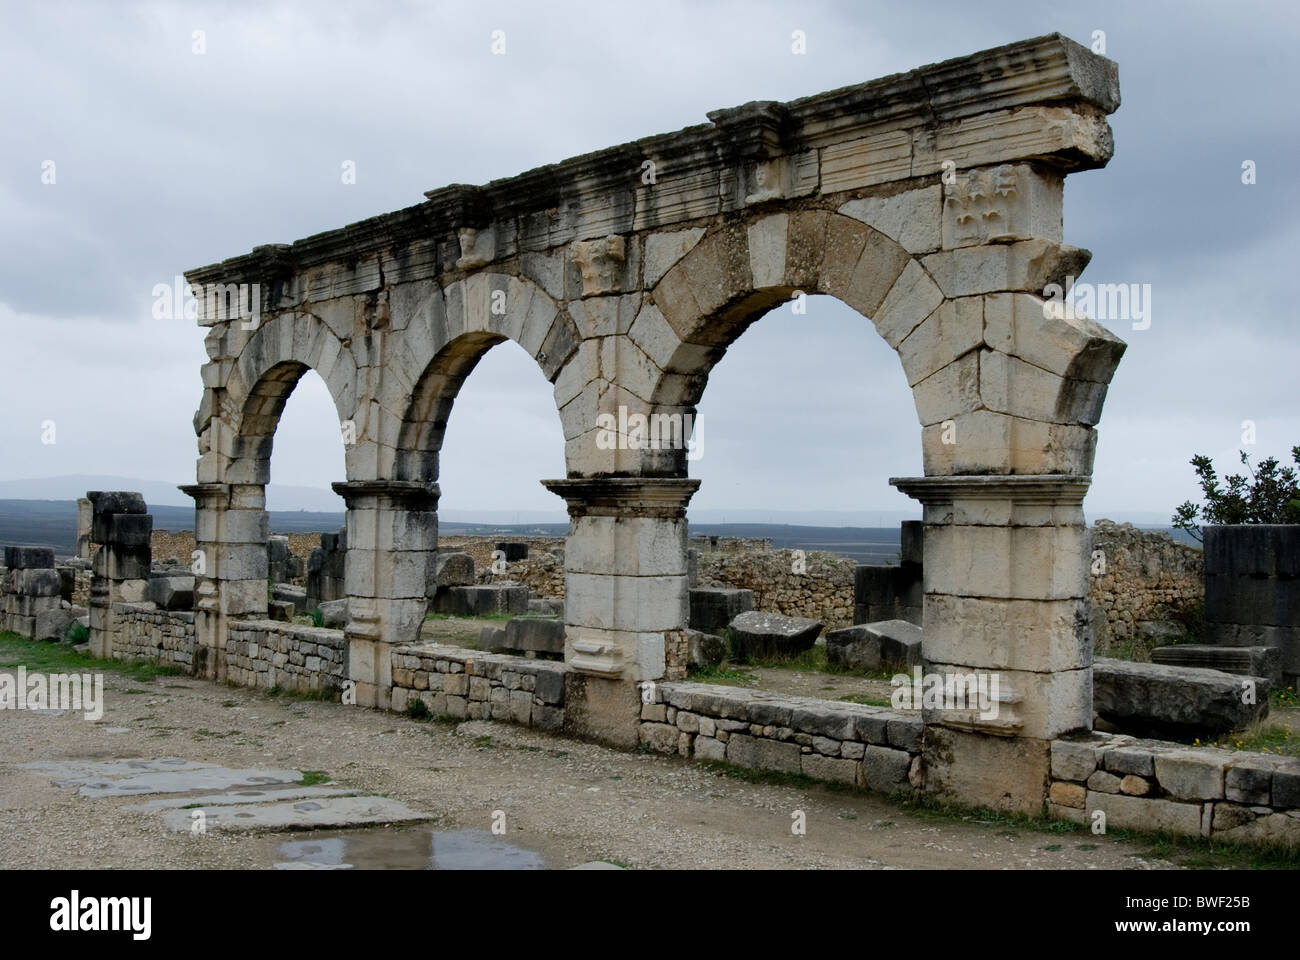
[(799, 426), (306, 543), (289, 451), (500, 536)]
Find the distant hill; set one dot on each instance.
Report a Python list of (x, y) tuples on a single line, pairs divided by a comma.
[(157, 493)]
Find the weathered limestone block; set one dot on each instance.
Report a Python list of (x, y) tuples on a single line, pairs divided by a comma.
[(1243, 661), (869, 646), (1153, 699), (713, 608), (453, 570), (756, 634)]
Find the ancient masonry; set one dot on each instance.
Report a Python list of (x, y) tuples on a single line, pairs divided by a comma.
[(929, 201)]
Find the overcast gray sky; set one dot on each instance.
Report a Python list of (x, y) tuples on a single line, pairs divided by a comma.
[(166, 159)]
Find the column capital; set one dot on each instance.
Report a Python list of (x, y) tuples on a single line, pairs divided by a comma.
[(653, 497), (407, 494), (207, 494), (1047, 488)]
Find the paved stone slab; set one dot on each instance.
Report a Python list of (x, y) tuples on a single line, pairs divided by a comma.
[(233, 797), (116, 778), (326, 812)]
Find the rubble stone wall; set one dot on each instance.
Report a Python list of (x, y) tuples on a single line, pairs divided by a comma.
[(1147, 576), (1163, 787), (267, 653), (143, 632), (453, 682), (870, 748)]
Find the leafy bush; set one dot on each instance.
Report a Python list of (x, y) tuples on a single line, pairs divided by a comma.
[(77, 632), (1266, 494)]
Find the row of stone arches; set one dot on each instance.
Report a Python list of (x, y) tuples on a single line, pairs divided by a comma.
[(626, 296)]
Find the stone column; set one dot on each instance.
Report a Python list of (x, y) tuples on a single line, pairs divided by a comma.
[(85, 515), (392, 551), (230, 533), (1006, 599), (120, 567), (625, 593)]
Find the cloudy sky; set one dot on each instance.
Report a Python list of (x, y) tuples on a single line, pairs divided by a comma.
[(166, 159)]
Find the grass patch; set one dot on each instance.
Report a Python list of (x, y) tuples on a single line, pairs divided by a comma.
[(417, 709), (59, 657), (311, 778), (866, 700), (727, 676), (1263, 736)]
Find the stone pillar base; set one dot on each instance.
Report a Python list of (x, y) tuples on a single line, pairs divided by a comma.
[(603, 710), (1009, 774), (392, 537)]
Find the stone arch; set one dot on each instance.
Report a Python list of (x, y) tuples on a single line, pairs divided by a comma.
[(1024, 386), (456, 326), (265, 372)]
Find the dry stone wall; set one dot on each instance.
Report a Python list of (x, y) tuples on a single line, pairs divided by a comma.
[(143, 632), (266, 654), (870, 748), (1147, 577), (1163, 787), (822, 591), (458, 683)]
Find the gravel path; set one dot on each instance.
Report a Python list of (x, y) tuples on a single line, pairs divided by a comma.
[(570, 802)]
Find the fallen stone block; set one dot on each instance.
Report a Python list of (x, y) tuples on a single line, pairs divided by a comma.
[(482, 600), (1244, 661), (756, 634), (535, 635), (334, 614), (454, 570), (712, 608), (704, 649), (172, 593), (871, 646), (1152, 699), (281, 610), (546, 606), (291, 594)]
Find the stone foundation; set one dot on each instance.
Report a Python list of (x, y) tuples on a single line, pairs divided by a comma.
[(869, 748), (1154, 786), (466, 684)]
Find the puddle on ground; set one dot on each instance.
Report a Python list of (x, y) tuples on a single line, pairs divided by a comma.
[(417, 849)]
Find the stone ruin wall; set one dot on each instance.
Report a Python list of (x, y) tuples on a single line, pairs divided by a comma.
[(823, 591), (1148, 578)]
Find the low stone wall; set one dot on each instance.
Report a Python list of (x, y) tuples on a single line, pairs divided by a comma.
[(454, 682), (267, 653), (1167, 787), (143, 632), (823, 590), (871, 748), (1147, 577)]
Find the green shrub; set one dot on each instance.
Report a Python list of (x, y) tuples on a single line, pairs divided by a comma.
[(1266, 494)]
